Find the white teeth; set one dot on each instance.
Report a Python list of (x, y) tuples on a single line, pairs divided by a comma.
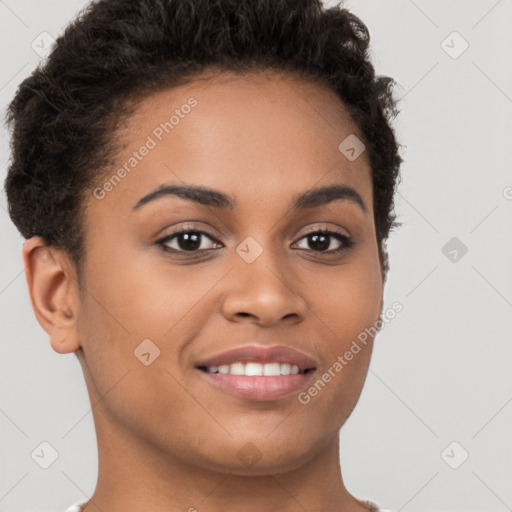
[(285, 369), (272, 369), (253, 369), (237, 369), (256, 369)]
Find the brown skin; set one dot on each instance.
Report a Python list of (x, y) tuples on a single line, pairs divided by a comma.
[(167, 439)]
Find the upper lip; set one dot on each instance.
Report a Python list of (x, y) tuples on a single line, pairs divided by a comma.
[(258, 354)]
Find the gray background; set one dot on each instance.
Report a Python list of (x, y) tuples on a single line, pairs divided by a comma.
[(441, 370)]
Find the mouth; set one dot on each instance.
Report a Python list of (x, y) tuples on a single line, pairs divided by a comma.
[(258, 387), (259, 373), (254, 369)]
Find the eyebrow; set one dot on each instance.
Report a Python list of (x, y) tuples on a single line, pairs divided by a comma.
[(209, 197)]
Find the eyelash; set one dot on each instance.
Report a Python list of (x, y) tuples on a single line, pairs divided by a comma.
[(347, 242)]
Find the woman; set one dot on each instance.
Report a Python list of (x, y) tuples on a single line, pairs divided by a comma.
[(206, 189)]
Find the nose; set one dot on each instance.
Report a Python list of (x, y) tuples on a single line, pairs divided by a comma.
[(265, 292)]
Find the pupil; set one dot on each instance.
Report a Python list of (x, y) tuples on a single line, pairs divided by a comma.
[(190, 241), (322, 245)]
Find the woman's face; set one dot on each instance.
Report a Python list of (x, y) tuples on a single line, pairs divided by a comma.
[(155, 306)]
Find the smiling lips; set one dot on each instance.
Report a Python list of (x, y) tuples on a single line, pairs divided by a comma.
[(259, 373)]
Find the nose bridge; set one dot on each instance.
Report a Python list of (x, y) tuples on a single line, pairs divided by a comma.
[(261, 283), (260, 264)]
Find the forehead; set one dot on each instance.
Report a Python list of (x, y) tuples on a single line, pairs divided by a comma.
[(262, 131)]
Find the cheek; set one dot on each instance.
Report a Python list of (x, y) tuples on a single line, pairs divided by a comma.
[(343, 306), (347, 307), (136, 394), (131, 295), (348, 299)]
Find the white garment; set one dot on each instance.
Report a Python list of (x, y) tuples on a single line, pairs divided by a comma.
[(77, 506)]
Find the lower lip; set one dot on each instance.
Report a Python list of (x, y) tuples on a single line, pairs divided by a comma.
[(259, 387)]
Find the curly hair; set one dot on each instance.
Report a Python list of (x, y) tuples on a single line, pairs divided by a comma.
[(64, 116)]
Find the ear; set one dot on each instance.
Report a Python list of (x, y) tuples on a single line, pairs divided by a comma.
[(54, 294)]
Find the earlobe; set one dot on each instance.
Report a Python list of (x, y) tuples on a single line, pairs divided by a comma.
[(64, 340), (53, 291)]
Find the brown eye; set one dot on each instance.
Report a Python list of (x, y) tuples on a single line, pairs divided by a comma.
[(322, 241), (187, 240)]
